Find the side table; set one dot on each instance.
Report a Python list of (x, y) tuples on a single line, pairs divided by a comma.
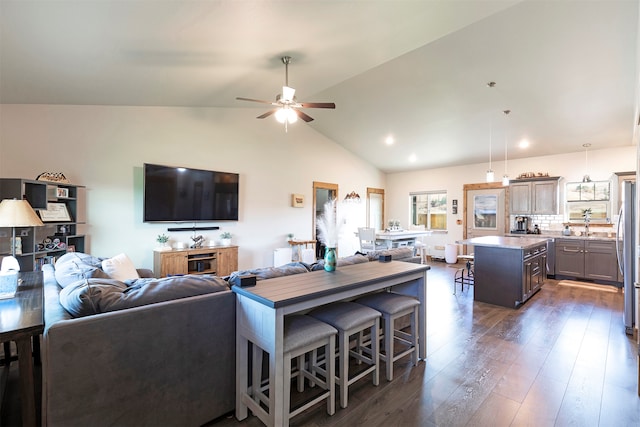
[(23, 318)]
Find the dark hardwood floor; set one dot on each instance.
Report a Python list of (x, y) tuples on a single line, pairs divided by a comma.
[(562, 359)]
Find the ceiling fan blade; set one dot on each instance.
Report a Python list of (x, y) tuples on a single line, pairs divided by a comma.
[(307, 118), (254, 100), (267, 114), (317, 105)]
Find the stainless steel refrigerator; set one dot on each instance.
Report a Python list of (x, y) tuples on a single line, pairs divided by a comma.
[(627, 256)]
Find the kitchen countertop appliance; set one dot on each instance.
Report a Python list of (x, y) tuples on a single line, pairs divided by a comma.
[(521, 225)]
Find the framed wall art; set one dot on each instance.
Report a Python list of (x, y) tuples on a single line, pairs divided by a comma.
[(297, 200), (55, 212)]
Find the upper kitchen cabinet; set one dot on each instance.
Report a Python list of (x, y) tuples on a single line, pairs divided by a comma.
[(534, 196), (591, 196)]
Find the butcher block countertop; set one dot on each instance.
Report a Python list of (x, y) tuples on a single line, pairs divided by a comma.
[(505, 242)]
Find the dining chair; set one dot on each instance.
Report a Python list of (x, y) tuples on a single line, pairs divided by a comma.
[(367, 237)]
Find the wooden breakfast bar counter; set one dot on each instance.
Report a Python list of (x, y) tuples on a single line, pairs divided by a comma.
[(260, 312)]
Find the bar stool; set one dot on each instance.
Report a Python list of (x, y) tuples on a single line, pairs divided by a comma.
[(302, 335), (350, 319), (393, 306)]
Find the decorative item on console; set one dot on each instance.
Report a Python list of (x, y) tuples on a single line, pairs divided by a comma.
[(526, 175), (163, 239), (198, 241), (329, 225), (225, 238)]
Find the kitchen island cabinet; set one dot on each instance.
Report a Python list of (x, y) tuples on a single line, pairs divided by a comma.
[(508, 270)]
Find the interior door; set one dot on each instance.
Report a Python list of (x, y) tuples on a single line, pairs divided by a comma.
[(485, 211), (322, 193), (375, 208)]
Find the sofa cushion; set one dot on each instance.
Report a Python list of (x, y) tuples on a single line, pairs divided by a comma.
[(74, 266), (270, 272), (93, 296), (348, 260), (120, 267), (396, 253)]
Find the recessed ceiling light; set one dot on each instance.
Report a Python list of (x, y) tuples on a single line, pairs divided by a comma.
[(389, 140), (412, 158), (524, 143)]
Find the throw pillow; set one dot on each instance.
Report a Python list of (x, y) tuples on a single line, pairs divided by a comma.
[(74, 266), (120, 267)]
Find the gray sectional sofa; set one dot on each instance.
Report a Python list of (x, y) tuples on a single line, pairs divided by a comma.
[(166, 363), (144, 352)]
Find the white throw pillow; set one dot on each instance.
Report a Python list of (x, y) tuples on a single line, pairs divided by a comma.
[(120, 267)]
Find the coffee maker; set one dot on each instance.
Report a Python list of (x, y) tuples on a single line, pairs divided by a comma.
[(521, 225)]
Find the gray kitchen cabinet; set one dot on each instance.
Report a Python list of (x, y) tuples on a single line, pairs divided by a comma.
[(534, 197), (586, 259)]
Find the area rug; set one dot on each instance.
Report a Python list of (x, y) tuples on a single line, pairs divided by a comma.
[(587, 285)]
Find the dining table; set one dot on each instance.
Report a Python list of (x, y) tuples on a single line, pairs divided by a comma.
[(262, 308), (395, 238)]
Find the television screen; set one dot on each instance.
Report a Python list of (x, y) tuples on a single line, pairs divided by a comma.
[(175, 194)]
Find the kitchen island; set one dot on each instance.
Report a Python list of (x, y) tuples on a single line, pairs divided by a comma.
[(507, 270)]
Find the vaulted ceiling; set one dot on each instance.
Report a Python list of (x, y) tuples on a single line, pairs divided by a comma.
[(413, 70)]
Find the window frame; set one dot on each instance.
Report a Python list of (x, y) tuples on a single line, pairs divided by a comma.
[(412, 208)]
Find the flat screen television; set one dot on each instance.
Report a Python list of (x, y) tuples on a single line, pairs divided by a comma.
[(176, 194)]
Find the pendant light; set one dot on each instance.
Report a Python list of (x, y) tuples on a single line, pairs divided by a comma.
[(586, 177), (490, 175), (505, 177)]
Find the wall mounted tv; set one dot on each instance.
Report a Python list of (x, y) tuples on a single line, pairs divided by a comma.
[(174, 194)]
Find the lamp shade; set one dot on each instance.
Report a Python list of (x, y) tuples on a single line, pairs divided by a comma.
[(18, 213)]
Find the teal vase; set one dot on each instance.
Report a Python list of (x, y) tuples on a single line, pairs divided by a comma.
[(330, 259)]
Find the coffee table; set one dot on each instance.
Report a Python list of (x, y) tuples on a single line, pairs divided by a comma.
[(22, 318)]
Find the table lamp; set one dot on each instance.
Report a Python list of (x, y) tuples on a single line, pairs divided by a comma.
[(17, 213)]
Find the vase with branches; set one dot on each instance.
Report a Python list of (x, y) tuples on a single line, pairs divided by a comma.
[(329, 225)]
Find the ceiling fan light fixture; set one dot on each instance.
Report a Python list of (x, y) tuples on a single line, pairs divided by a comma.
[(288, 93), (287, 115)]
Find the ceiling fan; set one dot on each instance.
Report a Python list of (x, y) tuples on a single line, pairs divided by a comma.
[(287, 106)]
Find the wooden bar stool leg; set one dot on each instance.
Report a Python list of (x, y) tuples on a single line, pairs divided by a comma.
[(344, 368)]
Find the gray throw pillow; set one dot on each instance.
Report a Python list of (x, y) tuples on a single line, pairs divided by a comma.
[(74, 266)]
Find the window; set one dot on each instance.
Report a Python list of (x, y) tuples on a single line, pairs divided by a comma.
[(429, 209)]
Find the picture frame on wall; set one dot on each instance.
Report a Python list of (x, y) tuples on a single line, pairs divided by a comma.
[(55, 212), (297, 200)]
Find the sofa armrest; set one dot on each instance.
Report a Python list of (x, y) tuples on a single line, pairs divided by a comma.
[(145, 272)]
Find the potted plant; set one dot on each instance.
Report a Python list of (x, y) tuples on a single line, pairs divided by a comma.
[(289, 237), (163, 239), (225, 238)]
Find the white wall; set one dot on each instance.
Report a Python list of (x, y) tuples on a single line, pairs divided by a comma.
[(602, 164), (104, 148)]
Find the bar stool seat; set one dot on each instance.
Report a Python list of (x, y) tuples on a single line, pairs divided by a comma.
[(393, 306), (302, 335), (349, 319)]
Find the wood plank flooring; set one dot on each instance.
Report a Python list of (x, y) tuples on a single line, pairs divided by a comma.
[(562, 359)]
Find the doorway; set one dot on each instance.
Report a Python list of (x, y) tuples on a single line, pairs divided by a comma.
[(322, 193), (375, 208), (485, 210)]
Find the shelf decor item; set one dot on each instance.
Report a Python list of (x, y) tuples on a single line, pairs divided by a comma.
[(52, 177), (55, 212)]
